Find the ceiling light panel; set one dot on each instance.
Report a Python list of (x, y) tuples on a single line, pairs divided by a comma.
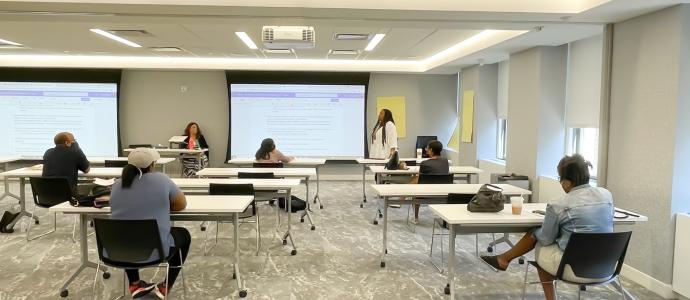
[(165, 49), (351, 36), (374, 41), (115, 37), (343, 52), (246, 40), (11, 43)]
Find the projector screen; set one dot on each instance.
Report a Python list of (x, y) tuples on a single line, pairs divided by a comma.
[(304, 120), (31, 113)]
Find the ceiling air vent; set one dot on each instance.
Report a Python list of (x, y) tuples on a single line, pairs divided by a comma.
[(351, 36)]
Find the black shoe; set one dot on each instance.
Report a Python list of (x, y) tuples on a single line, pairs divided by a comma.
[(493, 262)]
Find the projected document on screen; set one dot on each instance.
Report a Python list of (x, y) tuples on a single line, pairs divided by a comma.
[(304, 120), (31, 113)]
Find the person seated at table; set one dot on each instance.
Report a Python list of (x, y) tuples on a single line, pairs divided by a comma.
[(66, 159), (194, 141), (583, 209), (143, 194), (268, 153), (435, 165)]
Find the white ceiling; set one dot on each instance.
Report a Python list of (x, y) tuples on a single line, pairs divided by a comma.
[(433, 35)]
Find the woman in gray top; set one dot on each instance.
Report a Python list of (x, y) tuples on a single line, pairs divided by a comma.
[(144, 194), (583, 209)]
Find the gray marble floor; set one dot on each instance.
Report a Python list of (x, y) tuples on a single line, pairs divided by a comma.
[(338, 260)]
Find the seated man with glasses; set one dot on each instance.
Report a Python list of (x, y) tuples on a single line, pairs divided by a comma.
[(65, 160)]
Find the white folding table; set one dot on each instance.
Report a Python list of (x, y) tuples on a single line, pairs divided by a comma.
[(279, 187), (172, 152), (365, 162), (300, 162), (163, 161), (413, 170), (425, 193), (24, 173), (300, 173), (199, 208), (461, 221)]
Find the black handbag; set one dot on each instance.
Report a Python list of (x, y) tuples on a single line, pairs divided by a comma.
[(392, 163), (490, 198)]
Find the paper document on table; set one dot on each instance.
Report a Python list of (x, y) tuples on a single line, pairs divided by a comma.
[(104, 182), (467, 116), (396, 105)]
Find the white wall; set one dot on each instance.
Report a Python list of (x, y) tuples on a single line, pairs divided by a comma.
[(536, 105), (483, 80), (648, 137), (583, 93), (153, 108)]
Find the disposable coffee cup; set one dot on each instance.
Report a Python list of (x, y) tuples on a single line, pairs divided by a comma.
[(516, 204), (419, 153)]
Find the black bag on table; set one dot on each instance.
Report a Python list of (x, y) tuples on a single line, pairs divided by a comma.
[(490, 198), (296, 205), (393, 162)]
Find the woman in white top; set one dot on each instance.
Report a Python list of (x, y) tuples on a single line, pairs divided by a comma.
[(384, 136)]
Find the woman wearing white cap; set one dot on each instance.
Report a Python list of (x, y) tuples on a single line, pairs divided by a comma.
[(144, 194)]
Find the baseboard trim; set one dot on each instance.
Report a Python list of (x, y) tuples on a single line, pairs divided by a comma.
[(662, 289)]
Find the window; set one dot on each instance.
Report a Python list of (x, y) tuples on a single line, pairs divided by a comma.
[(585, 141), (501, 139)]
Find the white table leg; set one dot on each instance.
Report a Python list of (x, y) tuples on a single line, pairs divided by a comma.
[(6, 192), (451, 262), (236, 273), (288, 234), (384, 251), (318, 181), (22, 205), (307, 211), (364, 194), (85, 263)]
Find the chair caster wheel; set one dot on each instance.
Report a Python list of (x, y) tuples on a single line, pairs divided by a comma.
[(301, 220), (364, 200), (234, 276), (243, 294), (446, 290), (293, 252), (383, 264), (106, 275), (321, 207), (490, 249), (203, 228), (64, 293), (284, 242), (380, 215), (521, 261), (385, 251), (376, 222), (583, 288), (313, 227), (37, 222)]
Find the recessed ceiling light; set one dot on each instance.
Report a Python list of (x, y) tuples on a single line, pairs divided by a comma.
[(277, 51), (351, 36), (246, 39), (165, 49), (6, 46), (6, 42), (115, 37), (374, 41), (343, 52)]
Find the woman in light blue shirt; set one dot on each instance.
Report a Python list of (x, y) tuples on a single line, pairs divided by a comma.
[(583, 209)]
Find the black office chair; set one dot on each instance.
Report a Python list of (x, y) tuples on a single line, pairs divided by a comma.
[(48, 192), (115, 163), (410, 163), (127, 251), (267, 165), (429, 179), (134, 146), (236, 190), (255, 175), (593, 259), (441, 224), (422, 142)]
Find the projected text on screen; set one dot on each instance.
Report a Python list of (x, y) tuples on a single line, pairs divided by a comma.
[(31, 113), (304, 120)]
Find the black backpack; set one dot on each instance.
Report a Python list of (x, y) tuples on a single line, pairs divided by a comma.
[(296, 205)]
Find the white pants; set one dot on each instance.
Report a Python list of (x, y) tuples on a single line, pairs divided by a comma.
[(549, 259)]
